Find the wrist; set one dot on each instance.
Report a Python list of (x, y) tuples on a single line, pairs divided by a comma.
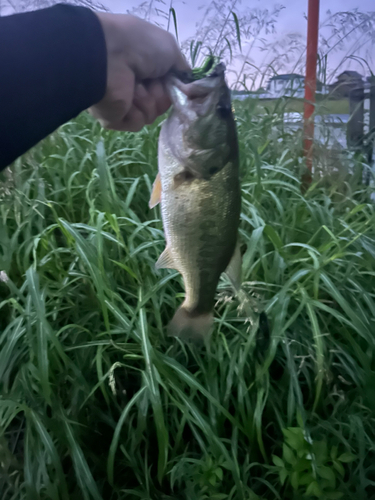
[(116, 36)]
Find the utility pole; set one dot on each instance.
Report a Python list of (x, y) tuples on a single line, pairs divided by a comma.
[(310, 87)]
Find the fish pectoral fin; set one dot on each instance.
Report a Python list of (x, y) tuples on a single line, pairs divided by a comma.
[(156, 192), (165, 261), (234, 269)]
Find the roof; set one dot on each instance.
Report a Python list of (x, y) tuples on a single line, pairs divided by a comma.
[(353, 74), (288, 76)]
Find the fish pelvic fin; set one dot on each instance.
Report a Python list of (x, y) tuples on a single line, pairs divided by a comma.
[(190, 327)]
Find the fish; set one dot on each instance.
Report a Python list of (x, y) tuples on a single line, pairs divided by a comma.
[(198, 188)]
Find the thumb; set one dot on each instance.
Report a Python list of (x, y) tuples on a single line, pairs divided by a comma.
[(181, 63)]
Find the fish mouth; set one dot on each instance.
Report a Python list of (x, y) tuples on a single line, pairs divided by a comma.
[(196, 97), (187, 77)]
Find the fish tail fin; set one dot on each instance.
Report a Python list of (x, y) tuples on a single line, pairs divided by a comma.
[(187, 326)]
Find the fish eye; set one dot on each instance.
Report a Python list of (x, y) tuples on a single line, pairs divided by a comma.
[(184, 176)]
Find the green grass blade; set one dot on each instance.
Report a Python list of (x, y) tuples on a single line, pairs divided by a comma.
[(238, 31), (116, 434), (42, 332), (81, 468), (151, 378)]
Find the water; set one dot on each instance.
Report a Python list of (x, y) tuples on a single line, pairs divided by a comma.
[(329, 130)]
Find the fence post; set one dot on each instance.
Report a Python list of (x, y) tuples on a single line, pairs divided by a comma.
[(372, 106), (371, 134), (355, 128)]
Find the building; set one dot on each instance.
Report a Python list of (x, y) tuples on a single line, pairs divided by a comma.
[(290, 84), (287, 85), (345, 83)]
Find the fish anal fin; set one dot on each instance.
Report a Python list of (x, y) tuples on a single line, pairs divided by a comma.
[(165, 261), (234, 269), (156, 192)]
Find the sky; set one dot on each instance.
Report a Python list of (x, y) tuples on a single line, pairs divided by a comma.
[(291, 20)]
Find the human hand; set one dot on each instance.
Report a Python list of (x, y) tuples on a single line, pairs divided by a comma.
[(139, 55)]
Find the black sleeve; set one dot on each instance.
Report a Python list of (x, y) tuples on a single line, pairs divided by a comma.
[(53, 65)]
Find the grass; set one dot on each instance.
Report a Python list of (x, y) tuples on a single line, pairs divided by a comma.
[(97, 403)]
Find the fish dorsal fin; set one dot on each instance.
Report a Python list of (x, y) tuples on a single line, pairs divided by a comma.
[(165, 261), (234, 269), (156, 192)]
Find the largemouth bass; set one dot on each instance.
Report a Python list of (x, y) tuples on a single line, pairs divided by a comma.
[(199, 190)]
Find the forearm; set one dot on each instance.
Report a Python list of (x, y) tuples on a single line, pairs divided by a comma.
[(53, 66)]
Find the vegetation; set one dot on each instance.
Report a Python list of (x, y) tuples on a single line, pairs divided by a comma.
[(96, 402), (295, 105)]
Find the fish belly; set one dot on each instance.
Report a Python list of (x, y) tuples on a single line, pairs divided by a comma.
[(200, 221)]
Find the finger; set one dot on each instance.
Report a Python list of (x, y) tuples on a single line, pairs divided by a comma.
[(109, 112), (168, 56), (118, 98), (144, 100), (177, 60), (181, 63), (134, 121), (151, 100), (157, 90)]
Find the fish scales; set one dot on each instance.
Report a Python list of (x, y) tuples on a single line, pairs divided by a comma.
[(200, 198)]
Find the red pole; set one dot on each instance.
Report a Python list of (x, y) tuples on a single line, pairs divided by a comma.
[(310, 85)]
